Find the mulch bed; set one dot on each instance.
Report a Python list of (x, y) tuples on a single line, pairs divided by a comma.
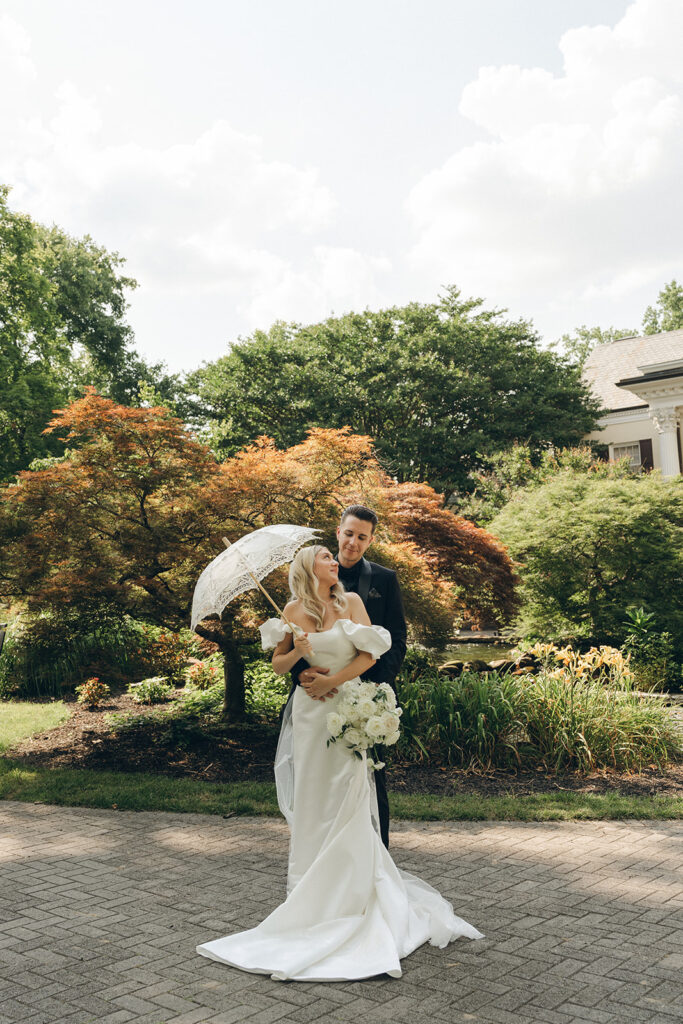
[(227, 753)]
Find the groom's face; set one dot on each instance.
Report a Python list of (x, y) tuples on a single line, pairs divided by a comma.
[(355, 537)]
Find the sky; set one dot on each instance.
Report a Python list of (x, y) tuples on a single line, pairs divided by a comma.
[(295, 159)]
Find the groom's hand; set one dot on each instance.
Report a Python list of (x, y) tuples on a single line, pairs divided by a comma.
[(309, 675)]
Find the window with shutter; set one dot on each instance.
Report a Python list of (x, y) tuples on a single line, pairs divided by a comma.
[(646, 458), (630, 451)]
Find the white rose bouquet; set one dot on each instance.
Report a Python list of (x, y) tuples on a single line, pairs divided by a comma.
[(366, 714)]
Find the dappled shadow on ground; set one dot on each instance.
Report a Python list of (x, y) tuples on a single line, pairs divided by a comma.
[(104, 910)]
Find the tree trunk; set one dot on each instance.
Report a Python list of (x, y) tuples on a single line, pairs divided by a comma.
[(233, 673), (221, 634)]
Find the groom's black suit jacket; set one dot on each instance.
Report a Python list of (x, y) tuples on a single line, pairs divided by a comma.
[(379, 591)]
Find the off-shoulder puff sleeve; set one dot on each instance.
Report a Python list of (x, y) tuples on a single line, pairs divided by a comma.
[(376, 640), (272, 632)]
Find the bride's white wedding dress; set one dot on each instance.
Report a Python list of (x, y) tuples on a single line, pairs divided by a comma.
[(350, 912)]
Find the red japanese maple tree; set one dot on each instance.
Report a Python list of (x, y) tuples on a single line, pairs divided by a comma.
[(138, 506)]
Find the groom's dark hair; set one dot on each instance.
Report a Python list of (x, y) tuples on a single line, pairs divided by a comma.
[(360, 512)]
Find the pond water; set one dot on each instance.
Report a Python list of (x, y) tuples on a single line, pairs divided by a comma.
[(475, 652)]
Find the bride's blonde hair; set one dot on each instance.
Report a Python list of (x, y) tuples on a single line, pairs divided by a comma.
[(303, 584)]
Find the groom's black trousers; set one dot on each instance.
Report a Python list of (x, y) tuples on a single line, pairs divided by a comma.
[(382, 804)]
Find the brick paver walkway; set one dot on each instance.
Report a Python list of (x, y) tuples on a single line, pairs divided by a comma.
[(101, 912)]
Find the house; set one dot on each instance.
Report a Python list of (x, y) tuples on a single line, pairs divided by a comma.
[(639, 382)]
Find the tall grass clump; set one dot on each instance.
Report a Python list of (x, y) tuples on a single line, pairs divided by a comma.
[(469, 721), (580, 725), (577, 713)]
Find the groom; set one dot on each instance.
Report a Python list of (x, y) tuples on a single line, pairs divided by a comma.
[(379, 591)]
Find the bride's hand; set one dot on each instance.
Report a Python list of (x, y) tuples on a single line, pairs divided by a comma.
[(303, 645)]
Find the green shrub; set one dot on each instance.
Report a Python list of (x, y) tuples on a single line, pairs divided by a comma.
[(265, 692), (192, 706), (418, 662), (162, 653), (658, 676), (202, 675), (128, 721), (178, 726), (44, 654), (652, 652), (201, 703), (590, 548), (154, 690), (47, 653), (9, 688), (509, 471)]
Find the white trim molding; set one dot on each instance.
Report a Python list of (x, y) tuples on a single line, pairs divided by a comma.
[(639, 415)]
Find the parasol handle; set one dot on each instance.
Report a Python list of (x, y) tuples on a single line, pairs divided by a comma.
[(263, 590)]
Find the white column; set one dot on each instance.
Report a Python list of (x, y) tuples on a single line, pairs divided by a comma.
[(665, 420)]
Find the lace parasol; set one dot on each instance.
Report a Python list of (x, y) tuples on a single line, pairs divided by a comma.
[(244, 564)]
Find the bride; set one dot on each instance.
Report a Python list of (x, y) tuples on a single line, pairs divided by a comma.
[(350, 912)]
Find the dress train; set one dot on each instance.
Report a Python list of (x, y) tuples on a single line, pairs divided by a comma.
[(350, 913)]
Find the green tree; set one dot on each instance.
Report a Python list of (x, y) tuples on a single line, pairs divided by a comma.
[(509, 471), (665, 315), (62, 327), (29, 345), (588, 549), (667, 312), (580, 343), (437, 387)]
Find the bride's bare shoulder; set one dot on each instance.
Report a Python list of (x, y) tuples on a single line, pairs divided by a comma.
[(357, 610), (294, 610)]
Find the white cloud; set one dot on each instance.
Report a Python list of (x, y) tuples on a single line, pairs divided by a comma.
[(215, 215), (335, 280), (575, 192), (566, 209), (220, 183), (16, 66)]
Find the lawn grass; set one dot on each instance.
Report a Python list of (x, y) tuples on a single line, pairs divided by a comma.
[(537, 807), (145, 792), (19, 719), (140, 791)]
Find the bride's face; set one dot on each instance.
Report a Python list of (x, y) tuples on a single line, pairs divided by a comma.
[(325, 569)]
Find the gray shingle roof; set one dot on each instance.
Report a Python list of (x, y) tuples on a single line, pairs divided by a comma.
[(618, 360)]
